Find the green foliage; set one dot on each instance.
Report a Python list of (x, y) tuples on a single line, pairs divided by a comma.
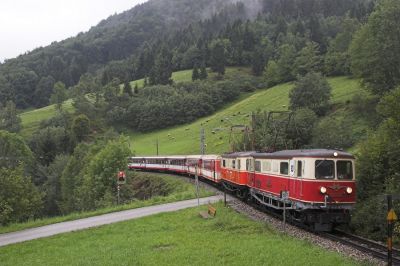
[(81, 127), (337, 58), (52, 186), (375, 50), (19, 198), (46, 143), (43, 91), (13, 151), (218, 55), (271, 73), (285, 63), (162, 70), (72, 176), (195, 73), (203, 72), (59, 95), (9, 120), (311, 91), (378, 164), (127, 88), (333, 133), (308, 60), (99, 175)]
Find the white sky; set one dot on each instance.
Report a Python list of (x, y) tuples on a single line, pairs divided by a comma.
[(28, 24)]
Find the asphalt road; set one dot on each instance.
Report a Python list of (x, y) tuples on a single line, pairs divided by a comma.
[(54, 229)]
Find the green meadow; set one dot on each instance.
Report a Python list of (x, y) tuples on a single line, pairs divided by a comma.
[(179, 238)]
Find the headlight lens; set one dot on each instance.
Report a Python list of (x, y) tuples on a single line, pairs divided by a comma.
[(323, 190), (349, 190)]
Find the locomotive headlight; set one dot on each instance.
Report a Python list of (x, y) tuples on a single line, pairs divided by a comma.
[(322, 190), (349, 190)]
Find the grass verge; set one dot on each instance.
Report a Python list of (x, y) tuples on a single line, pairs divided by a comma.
[(180, 238)]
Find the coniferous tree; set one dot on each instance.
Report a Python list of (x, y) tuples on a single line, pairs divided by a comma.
[(9, 119), (218, 56), (128, 88), (195, 73), (203, 72)]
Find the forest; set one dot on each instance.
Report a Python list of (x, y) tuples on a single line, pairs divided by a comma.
[(67, 163)]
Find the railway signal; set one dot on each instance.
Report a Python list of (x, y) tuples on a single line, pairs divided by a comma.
[(391, 219), (121, 179)]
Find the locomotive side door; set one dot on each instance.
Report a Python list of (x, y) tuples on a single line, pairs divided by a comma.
[(292, 180), (250, 171)]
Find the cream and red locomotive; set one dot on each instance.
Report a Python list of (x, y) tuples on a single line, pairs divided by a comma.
[(316, 187)]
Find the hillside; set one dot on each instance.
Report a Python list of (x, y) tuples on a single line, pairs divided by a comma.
[(185, 139), (31, 119)]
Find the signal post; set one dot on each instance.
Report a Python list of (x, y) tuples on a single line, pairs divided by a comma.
[(121, 179)]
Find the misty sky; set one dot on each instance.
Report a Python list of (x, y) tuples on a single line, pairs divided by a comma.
[(28, 24)]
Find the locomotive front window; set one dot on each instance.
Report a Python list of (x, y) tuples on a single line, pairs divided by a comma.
[(344, 170), (324, 169)]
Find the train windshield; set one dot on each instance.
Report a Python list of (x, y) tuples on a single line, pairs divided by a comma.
[(324, 169), (344, 170)]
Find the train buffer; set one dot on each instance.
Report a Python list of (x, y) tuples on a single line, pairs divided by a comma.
[(210, 213)]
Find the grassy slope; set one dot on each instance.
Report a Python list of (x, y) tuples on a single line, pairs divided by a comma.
[(31, 119), (181, 238), (183, 191), (185, 139)]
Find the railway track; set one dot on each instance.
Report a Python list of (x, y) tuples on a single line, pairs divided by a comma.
[(367, 246)]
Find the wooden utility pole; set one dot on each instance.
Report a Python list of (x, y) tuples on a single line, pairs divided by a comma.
[(157, 146), (202, 141)]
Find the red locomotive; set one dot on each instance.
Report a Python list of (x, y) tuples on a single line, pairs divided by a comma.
[(318, 184)]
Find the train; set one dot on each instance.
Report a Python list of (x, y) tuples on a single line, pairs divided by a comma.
[(313, 187)]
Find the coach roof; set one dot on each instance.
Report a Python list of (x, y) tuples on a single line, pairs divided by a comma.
[(239, 154), (314, 153)]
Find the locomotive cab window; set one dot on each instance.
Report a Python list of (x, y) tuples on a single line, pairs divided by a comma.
[(344, 170), (238, 164), (233, 164), (223, 163), (284, 168), (324, 169)]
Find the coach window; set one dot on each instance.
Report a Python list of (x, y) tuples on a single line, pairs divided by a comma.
[(324, 169), (344, 170), (284, 168), (266, 166), (257, 166), (299, 168), (233, 164), (238, 164), (223, 163)]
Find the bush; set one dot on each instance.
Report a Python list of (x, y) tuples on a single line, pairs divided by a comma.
[(311, 91)]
